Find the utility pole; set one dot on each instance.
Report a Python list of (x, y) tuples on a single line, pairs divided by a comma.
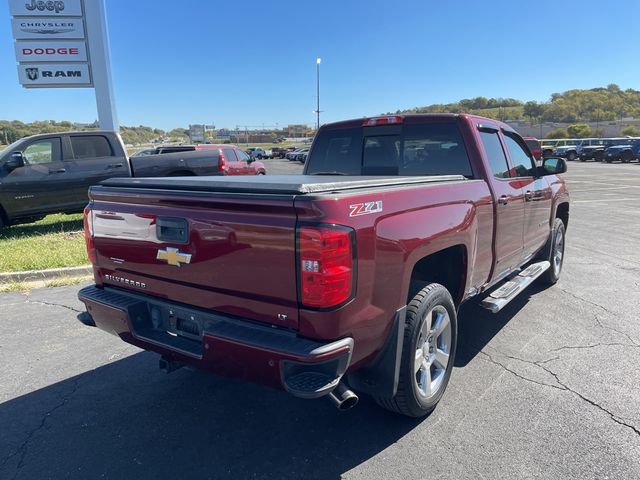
[(318, 60)]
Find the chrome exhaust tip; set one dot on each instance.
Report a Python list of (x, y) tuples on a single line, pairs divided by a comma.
[(343, 398)]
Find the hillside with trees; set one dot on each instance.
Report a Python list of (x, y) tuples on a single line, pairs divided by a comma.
[(572, 106), (12, 130)]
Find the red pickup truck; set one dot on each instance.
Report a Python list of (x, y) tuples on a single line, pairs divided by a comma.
[(345, 279)]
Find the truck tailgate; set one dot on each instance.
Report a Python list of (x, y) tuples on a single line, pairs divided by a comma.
[(237, 255)]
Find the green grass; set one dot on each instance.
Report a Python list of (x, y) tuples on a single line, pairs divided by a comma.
[(53, 242)]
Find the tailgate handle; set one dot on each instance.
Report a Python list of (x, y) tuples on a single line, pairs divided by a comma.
[(172, 230)]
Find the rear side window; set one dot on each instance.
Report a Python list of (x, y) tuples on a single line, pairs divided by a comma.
[(420, 149), (90, 146), (229, 154), (495, 154)]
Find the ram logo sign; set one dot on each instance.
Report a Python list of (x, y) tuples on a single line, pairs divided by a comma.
[(54, 75), (32, 73), (365, 208)]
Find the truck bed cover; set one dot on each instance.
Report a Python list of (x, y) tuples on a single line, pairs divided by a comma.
[(275, 184)]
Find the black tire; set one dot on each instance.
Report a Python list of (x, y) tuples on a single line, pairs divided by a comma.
[(408, 400), (571, 156), (552, 275)]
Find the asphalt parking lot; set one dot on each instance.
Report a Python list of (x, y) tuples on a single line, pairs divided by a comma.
[(547, 388)]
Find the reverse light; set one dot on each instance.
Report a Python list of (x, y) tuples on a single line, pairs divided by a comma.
[(326, 265), (87, 220), (387, 120)]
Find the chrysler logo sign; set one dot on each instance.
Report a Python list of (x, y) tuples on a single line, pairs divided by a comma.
[(47, 28), (50, 28), (42, 6)]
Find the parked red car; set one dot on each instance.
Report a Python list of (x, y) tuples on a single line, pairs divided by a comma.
[(534, 145)]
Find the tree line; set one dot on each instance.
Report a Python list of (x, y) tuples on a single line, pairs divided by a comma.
[(12, 130), (573, 106)]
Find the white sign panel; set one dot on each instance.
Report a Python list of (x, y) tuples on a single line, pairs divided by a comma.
[(33, 75), (71, 8), (43, 51), (47, 28)]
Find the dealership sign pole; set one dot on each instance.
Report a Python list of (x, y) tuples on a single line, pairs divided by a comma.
[(64, 44)]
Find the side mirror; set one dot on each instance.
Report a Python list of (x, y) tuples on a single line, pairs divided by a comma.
[(16, 160), (553, 166)]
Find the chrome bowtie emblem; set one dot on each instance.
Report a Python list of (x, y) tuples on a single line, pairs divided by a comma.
[(173, 256)]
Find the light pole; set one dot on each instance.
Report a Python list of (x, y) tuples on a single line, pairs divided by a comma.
[(318, 60)]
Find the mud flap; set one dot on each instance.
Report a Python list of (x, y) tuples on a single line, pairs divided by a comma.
[(380, 377)]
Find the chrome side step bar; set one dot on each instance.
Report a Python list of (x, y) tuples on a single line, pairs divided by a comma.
[(500, 297)]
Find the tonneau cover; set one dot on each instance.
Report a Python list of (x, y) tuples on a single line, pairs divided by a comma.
[(276, 184)]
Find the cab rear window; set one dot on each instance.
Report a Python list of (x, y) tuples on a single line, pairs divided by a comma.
[(412, 150)]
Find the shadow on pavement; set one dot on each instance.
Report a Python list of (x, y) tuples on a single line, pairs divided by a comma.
[(477, 326), (129, 420)]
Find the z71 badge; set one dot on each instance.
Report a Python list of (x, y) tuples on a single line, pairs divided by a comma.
[(365, 208)]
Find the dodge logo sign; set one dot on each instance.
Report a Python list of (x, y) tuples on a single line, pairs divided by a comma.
[(32, 73)]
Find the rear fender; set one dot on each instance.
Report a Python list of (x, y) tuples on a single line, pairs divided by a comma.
[(419, 234)]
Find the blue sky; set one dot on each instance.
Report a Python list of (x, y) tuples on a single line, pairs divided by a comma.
[(253, 62)]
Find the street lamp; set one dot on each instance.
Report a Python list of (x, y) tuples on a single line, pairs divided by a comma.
[(318, 61)]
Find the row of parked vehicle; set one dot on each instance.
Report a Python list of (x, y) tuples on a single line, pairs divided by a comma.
[(620, 149), (290, 153), (52, 172)]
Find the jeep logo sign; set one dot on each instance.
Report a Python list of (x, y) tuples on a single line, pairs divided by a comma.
[(34, 51), (41, 5), (55, 74), (46, 7)]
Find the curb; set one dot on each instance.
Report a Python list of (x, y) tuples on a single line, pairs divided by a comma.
[(32, 275)]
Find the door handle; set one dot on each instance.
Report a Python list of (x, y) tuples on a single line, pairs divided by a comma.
[(530, 195), (503, 200), (115, 165), (60, 170)]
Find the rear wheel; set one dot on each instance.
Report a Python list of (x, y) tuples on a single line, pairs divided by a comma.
[(427, 354), (571, 156)]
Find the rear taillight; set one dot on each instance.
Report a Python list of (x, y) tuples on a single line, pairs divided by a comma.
[(388, 120), (327, 269), (222, 164), (88, 235)]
